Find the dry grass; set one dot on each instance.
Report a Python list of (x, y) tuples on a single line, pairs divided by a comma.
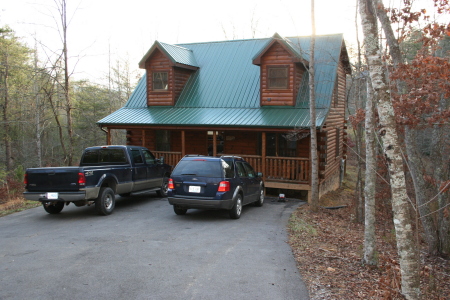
[(15, 205)]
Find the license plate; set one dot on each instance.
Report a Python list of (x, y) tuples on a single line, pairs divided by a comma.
[(52, 196), (194, 189)]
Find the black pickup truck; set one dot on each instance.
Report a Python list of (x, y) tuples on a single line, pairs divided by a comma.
[(104, 171)]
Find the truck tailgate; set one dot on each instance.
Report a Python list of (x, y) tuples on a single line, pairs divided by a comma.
[(53, 179)]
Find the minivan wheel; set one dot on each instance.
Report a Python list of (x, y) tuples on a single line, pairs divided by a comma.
[(260, 200), (236, 210), (105, 202), (53, 207), (179, 211)]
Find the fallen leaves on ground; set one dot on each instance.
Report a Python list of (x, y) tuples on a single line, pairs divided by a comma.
[(328, 247)]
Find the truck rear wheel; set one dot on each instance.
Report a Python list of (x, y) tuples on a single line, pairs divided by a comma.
[(164, 186), (53, 207), (105, 202)]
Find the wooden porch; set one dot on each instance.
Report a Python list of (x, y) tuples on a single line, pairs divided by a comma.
[(282, 172), (279, 172)]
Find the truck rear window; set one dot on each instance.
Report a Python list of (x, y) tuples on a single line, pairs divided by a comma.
[(104, 156)]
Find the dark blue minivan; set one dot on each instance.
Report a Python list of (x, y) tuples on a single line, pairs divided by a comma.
[(205, 182)]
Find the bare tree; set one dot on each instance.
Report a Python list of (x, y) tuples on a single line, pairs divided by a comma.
[(4, 88), (62, 9), (414, 162), (371, 176), (312, 107), (408, 254)]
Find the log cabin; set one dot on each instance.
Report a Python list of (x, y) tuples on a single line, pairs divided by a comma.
[(243, 97)]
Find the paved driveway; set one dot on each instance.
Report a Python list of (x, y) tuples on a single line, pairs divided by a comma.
[(144, 251)]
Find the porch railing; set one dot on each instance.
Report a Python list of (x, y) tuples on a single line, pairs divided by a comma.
[(282, 169), (170, 158)]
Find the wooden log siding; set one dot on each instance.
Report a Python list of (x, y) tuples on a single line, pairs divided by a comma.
[(181, 76), (277, 56), (158, 62), (330, 160)]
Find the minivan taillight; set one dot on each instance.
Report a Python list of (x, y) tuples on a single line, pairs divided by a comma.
[(224, 186), (171, 185), (81, 179)]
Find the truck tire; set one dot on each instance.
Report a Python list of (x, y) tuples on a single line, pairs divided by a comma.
[(53, 207), (164, 186), (105, 202)]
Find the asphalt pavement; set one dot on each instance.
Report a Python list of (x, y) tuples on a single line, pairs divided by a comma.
[(144, 251)]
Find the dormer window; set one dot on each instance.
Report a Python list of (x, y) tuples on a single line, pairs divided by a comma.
[(278, 77), (160, 81)]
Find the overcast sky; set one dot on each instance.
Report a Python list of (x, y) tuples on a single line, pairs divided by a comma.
[(129, 28)]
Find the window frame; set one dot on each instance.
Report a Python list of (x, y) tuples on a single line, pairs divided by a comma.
[(271, 79), (154, 73)]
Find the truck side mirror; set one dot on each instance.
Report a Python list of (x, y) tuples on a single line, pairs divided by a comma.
[(161, 160)]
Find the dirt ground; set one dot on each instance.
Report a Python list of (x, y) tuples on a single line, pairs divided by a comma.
[(328, 247)]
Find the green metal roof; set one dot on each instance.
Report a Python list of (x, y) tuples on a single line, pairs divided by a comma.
[(175, 53), (225, 90), (279, 117)]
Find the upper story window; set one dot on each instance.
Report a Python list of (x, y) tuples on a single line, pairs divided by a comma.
[(278, 77), (160, 81)]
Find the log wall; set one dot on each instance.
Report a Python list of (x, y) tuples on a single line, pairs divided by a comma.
[(158, 62), (276, 55), (331, 139)]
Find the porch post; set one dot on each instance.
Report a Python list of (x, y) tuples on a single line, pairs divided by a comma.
[(183, 144), (108, 136), (263, 154), (214, 144)]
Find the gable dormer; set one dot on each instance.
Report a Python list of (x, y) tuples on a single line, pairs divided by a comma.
[(281, 70), (168, 68)]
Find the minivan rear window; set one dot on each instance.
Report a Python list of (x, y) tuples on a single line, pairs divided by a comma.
[(201, 168)]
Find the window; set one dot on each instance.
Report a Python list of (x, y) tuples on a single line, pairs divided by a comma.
[(149, 158), (335, 94), (241, 170), (227, 165), (338, 135), (104, 156), (278, 77), (250, 172), (137, 156), (160, 81), (162, 140), (278, 145)]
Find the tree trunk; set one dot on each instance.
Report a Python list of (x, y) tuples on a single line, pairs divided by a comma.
[(68, 108), (371, 176), (312, 107), (415, 163), (408, 254), (441, 166), (5, 107), (420, 186)]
